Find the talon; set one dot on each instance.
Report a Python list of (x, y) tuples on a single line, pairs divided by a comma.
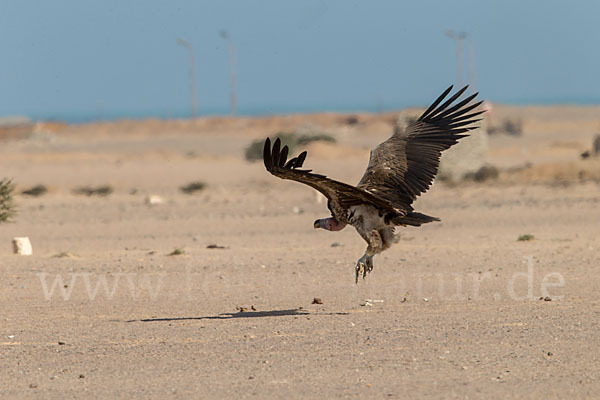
[(364, 265), (370, 263), (359, 267)]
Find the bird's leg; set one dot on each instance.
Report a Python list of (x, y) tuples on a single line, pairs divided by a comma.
[(365, 263)]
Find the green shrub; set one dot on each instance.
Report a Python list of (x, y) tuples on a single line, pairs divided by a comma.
[(7, 206), (254, 151), (526, 237), (177, 252), (303, 140)]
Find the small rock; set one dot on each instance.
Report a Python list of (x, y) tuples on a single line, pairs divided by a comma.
[(22, 246), (317, 300), (242, 309), (81, 376), (547, 298), (335, 244), (33, 385), (154, 200), (61, 343)]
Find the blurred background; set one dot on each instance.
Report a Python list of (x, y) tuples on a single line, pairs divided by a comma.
[(79, 61)]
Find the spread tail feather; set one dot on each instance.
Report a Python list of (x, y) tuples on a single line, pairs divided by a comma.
[(414, 219)]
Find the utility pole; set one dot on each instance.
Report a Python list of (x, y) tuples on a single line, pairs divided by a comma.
[(194, 101), (233, 93), (458, 38)]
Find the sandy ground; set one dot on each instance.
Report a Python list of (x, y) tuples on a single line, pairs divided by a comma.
[(457, 309)]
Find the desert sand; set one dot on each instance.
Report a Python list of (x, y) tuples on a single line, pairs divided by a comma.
[(457, 309)]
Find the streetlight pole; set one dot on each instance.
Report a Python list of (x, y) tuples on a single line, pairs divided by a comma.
[(458, 37), (232, 86), (194, 101), (472, 71)]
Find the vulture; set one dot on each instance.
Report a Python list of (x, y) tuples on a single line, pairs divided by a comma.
[(400, 169)]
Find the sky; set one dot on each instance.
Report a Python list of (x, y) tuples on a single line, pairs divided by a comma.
[(83, 60)]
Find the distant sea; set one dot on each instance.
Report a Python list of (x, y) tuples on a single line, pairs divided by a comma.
[(75, 117), (86, 116)]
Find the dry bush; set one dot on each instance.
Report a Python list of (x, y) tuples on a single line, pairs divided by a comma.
[(512, 127), (100, 191), (193, 187), (36, 191), (485, 173)]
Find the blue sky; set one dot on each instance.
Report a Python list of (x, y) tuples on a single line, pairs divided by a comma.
[(115, 58)]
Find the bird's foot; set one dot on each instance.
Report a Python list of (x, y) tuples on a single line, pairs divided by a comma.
[(364, 266)]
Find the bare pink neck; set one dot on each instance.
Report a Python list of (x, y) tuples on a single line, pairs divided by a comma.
[(335, 225)]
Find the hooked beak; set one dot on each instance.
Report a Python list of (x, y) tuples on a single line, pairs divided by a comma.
[(317, 224)]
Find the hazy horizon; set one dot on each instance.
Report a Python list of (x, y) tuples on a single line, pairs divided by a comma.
[(82, 61)]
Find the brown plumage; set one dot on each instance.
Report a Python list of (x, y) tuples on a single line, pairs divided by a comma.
[(399, 170)]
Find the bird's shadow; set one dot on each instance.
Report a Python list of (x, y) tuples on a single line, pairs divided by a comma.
[(240, 314)]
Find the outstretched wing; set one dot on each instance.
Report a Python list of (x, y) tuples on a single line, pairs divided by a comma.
[(404, 166), (340, 195)]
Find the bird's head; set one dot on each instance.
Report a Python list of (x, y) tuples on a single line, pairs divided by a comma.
[(329, 224)]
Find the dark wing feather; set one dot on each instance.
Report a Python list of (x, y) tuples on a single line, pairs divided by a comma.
[(340, 195), (404, 166)]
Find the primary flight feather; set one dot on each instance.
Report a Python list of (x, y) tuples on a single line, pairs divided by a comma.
[(399, 170)]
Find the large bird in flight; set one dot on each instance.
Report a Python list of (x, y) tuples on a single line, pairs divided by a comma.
[(399, 170)]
